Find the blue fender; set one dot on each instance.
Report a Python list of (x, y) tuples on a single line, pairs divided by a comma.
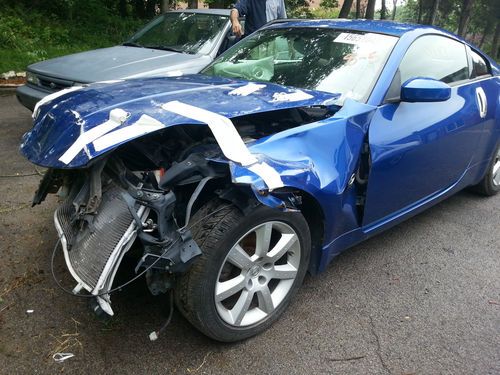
[(319, 159)]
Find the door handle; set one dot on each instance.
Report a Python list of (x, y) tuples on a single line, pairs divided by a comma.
[(482, 103)]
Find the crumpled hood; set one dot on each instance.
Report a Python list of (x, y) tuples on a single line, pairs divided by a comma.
[(117, 62), (75, 127)]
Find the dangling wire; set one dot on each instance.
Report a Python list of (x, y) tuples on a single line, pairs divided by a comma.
[(132, 279), (155, 334)]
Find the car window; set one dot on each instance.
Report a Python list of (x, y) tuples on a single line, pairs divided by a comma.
[(183, 32), (434, 56), (479, 66), (336, 61)]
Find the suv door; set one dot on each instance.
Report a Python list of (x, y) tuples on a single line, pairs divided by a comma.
[(421, 149)]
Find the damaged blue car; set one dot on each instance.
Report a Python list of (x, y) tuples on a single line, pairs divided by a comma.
[(297, 143)]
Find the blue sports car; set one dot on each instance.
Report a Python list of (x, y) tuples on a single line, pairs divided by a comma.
[(297, 143)]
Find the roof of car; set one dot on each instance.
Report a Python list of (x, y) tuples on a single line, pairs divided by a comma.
[(220, 12), (378, 26)]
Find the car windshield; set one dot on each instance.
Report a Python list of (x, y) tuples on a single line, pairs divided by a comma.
[(181, 32), (336, 61)]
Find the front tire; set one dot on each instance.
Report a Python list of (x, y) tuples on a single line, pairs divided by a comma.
[(250, 269)]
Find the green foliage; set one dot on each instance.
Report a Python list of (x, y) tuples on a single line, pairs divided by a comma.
[(28, 35), (325, 13), (329, 4), (483, 18), (298, 8)]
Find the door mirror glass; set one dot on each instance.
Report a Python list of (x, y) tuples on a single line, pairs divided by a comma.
[(425, 90)]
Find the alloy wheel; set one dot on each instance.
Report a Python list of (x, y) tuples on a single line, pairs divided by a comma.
[(496, 169), (257, 274)]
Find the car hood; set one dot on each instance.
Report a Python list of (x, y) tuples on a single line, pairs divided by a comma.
[(77, 119), (117, 63)]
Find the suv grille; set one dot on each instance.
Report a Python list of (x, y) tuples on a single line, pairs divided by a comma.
[(53, 84)]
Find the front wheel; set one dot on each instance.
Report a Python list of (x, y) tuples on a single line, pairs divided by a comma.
[(250, 269)]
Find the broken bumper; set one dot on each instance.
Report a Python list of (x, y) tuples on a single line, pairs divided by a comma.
[(93, 256)]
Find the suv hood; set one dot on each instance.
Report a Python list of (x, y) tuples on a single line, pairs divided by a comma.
[(117, 63), (96, 119)]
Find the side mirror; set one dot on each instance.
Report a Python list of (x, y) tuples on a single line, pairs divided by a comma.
[(425, 90)]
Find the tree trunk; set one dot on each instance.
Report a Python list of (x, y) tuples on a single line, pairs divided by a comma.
[(434, 12), (193, 4), (139, 9), (122, 8), (150, 9), (217, 4), (370, 10), (464, 17), (487, 27), (358, 8), (346, 9), (383, 11), (495, 45), (394, 4), (164, 6), (420, 9)]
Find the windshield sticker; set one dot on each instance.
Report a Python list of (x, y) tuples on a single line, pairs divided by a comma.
[(355, 38), (349, 38), (247, 89)]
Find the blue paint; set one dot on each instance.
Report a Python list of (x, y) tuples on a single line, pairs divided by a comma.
[(425, 90), (422, 149)]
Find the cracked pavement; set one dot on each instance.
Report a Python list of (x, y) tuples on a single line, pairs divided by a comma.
[(421, 298)]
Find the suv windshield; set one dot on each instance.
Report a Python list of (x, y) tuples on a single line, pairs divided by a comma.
[(336, 61), (182, 32)]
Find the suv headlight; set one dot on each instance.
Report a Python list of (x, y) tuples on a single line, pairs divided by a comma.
[(32, 78)]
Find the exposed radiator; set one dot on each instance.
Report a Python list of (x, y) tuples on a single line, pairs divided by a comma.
[(94, 252)]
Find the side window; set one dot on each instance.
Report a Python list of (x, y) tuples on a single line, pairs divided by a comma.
[(479, 66), (437, 57)]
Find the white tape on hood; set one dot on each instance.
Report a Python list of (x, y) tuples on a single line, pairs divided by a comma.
[(146, 124), (229, 140), (51, 97), (223, 129), (116, 117)]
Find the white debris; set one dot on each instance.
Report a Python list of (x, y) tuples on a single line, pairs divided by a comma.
[(111, 81), (247, 89), (21, 74), (174, 73), (61, 357), (290, 96), (9, 74)]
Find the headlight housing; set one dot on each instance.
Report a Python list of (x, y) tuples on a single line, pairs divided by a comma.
[(32, 79)]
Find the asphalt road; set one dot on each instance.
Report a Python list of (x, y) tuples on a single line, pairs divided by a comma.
[(422, 298)]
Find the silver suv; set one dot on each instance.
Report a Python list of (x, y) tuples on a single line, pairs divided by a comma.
[(175, 43)]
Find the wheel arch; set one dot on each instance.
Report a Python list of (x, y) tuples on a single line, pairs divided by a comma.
[(296, 200)]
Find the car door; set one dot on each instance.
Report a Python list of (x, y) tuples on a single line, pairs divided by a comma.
[(421, 149)]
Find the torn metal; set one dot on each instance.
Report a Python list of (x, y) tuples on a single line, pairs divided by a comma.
[(147, 163)]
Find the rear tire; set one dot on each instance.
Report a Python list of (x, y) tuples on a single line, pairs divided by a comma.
[(490, 184), (262, 258)]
